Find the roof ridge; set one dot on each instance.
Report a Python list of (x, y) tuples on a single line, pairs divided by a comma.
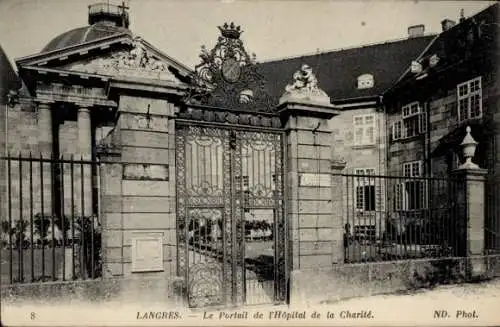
[(311, 54)]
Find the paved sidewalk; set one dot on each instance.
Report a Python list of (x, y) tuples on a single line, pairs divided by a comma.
[(465, 304)]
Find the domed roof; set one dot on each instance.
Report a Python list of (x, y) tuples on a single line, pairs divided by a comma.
[(84, 34), (104, 20)]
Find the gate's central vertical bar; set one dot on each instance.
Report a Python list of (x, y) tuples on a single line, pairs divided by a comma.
[(232, 149)]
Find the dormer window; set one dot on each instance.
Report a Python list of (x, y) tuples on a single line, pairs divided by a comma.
[(365, 81)]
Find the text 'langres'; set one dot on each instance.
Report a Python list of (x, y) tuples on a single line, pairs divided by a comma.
[(158, 315)]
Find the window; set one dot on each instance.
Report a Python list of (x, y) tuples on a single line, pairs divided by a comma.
[(411, 194), (365, 189), (364, 130), (413, 122), (365, 81), (469, 96)]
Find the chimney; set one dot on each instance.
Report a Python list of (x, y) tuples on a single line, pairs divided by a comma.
[(447, 24), (462, 15), (416, 30)]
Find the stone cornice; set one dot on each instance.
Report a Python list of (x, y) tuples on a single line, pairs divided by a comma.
[(65, 73), (147, 85), (74, 93), (80, 50), (310, 109)]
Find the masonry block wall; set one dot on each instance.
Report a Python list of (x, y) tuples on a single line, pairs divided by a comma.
[(26, 136), (361, 156), (144, 203), (310, 208)]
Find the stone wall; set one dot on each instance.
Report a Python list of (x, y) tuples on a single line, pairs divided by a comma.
[(360, 157), (312, 287), (148, 290), (23, 138), (26, 137)]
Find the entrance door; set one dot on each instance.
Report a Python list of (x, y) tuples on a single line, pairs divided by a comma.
[(230, 217)]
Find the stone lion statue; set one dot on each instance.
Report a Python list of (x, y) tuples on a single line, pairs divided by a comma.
[(305, 86), (303, 79)]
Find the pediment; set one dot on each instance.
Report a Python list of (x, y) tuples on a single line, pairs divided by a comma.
[(121, 57), (138, 61)]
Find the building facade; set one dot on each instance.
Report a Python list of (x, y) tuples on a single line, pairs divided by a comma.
[(449, 86)]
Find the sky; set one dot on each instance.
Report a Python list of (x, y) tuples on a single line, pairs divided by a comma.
[(272, 29)]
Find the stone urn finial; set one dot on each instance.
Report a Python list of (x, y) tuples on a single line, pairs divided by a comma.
[(468, 150)]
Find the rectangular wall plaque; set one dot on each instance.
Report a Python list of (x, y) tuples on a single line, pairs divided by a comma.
[(145, 172), (309, 179), (147, 252)]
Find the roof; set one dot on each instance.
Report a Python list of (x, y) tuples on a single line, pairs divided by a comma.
[(473, 39), (337, 71), (8, 77), (82, 35)]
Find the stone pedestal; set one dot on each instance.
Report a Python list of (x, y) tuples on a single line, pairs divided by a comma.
[(313, 233)]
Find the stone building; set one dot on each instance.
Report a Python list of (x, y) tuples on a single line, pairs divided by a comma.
[(110, 126), (450, 85), (356, 80)]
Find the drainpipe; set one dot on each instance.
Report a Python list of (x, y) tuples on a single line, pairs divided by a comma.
[(428, 137)]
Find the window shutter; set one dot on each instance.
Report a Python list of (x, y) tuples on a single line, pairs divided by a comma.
[(423, 122), (404, 197), (424, 193), (396, 130), (398, 196)]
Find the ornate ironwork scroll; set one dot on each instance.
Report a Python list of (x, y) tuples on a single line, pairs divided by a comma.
[(228, 76), (222, 174)]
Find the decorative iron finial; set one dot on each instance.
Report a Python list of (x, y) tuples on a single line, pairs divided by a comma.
[(468, 150), (230, 31)]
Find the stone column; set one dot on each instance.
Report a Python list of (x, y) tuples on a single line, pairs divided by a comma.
[(45, 128), (45, 138), (471, 201), (84, 132), (84, 152)]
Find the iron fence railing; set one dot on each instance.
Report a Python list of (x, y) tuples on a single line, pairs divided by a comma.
[(492, 223), (50, 226), (392, 218)]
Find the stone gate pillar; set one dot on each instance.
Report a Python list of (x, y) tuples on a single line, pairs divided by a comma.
[(471, 201), (306, 110)]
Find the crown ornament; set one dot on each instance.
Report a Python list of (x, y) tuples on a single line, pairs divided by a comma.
[(230, 31)]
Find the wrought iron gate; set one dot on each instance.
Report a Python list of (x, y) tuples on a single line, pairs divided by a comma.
[(231, 229)]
